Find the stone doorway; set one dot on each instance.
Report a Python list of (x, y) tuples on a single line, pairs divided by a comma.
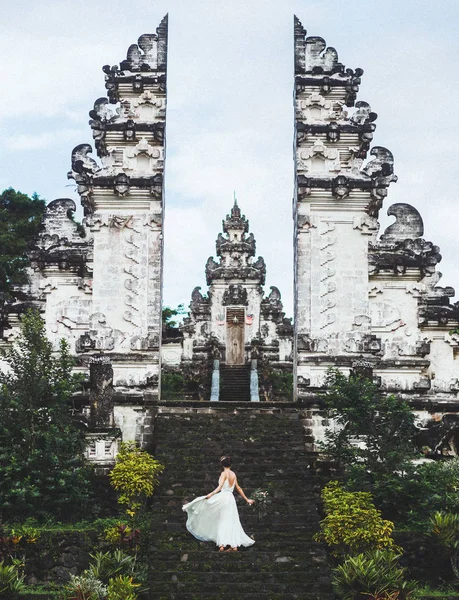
[(235, 342)]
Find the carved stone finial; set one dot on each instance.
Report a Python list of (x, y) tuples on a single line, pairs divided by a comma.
[(81, 162), (408, 224), (319, 58), (382, 166), (149, 52), (363, 114)]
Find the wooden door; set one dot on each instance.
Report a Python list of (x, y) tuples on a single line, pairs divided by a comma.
[(235, 342)]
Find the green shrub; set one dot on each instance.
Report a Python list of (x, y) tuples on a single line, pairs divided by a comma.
[(372, 575), (173, 385), (445, 526), (122, 588), (134, 476), (282, 383), (122, 536), (106, 565), (352, 523), (11, 580), (86, 587)]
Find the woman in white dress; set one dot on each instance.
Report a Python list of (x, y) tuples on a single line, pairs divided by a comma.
[(215, 518)]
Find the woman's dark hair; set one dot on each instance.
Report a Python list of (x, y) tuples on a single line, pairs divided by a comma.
[(225, 461)]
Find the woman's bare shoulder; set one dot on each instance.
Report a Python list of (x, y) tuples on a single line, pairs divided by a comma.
[(232, 477)]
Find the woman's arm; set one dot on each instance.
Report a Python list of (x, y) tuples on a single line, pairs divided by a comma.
[(240, 491), (221, 481)]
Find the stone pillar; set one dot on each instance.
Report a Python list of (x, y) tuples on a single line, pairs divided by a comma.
[(215, 391), (254, 391), (101, 393)]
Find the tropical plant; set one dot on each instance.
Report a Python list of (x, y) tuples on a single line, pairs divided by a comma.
[(122, 587), (134, 476), (85, 587), (282, 383), (122, 536), (106, 565), (374, 575), (445, 526), (20, 221), (28, 533), (173, 385), (352, 523), (374, 430), (11, 580), (42, 465)]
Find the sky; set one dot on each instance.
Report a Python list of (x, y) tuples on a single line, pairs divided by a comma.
[(230, 111)]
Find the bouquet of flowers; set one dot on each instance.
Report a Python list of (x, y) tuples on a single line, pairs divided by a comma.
[(262, 500)]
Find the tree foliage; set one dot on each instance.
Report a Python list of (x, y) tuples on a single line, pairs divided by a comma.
[(20, 222), (134, 476), (173, 385), (169, 315), (42, 468), (374, 431)]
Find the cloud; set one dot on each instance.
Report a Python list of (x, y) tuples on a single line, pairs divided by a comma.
[(24, 141), (230, 116)]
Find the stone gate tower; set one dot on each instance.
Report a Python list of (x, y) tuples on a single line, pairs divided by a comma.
[(362, 301), (123, 202), (99, 285), (337, 201)]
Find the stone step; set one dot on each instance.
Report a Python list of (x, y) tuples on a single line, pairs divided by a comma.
[(271, 479), (285, 445), (172, 506), (294, 576), (181, 595), (272, 523), (257, 555), (288, 508), (262, 536), (311, 589), (268, 453), (272, 548), (230, 417), (242, 455)]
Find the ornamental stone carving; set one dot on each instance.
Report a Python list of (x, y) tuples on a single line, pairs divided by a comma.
[(235, 295), (408, 223)]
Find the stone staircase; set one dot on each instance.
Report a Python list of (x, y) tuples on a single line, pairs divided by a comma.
[(235, 383), (267, 448)]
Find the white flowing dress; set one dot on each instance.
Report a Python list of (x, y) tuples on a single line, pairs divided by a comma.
[(217, 519)]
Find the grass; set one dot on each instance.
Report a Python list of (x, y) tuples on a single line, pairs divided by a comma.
[(51, 591), (442, 592)]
